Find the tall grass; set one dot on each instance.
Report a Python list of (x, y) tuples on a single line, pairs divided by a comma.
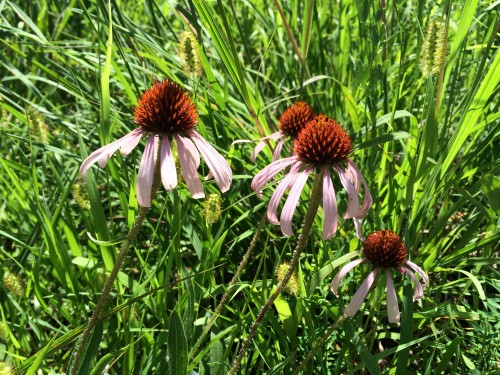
[(429, 147)]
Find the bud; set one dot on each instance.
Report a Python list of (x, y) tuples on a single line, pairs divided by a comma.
[(13, 283), (39, 130), (81, 195), (293, 285), (212, 208), (433, 52), (188, 52)]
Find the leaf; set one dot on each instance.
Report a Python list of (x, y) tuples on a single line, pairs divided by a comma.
[(177, 346), (491, 188)]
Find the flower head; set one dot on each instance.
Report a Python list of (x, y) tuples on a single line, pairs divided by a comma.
[(385, 251), (165, 111), (188, 51), (292, 121), (321, 145)]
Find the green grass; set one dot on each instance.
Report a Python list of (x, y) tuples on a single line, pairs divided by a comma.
[(71, 73)]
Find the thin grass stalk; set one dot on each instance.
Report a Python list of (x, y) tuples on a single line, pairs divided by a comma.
[(306, 228), (230, 286)]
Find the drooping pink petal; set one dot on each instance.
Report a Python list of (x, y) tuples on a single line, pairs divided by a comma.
[(270, 171), (420, 271), (277, 150), (146, 174), (272, 208), (353, 207), (132, 142), (358, 224), (216, 163), (167, 167), (360, 295), (292, 201), (102, 155), (418, 290), (330, 219), (187, 159), (264, 142), (367, 201), (334, 286), (392, 300)]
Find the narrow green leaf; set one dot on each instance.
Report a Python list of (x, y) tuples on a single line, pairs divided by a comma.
[(177, 346)]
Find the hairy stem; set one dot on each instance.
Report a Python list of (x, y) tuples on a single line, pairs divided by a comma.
[(306, 228)]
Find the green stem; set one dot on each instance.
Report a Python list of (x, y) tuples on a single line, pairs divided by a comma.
[(320, 343), (306, 228), (236, 276), (94, 319)]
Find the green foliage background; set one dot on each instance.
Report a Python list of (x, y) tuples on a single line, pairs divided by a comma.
[(71, 72)]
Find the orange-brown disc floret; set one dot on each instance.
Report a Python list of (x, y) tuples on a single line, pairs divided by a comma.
[(294, 118), (165, 108), (322, 142), (385, 249)]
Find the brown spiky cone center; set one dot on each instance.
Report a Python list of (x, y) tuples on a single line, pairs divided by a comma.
[(165, 108), (385, 249), (294, 118), (322, 142)]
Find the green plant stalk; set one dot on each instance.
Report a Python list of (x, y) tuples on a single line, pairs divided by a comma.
[(224, 298), (114, 272), (306, 228), (320, 343)]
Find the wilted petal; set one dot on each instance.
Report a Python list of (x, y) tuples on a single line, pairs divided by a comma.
[(353, 207), (418, 290), (168, 172), (330, 219), (358, 224), (360, 295), (270, 171), (146, 174), (216, 163), (187, 159), (367, 201), (392, 300), (292, 201), (420, 271), (263, 143), (277, 150), (334, 286), (272, 208), (102, 155)]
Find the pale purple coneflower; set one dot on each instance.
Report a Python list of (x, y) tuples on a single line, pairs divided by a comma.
[(292, 121), (385, 251), (166, 111), (322, 144)]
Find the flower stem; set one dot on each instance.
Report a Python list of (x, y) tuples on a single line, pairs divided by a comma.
[(320, 343), (82, 343), (306, 228), (224, 298)]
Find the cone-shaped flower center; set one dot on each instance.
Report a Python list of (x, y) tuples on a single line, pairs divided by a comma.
[(294, 118), (385, 249), (322, 142), (165, 108)]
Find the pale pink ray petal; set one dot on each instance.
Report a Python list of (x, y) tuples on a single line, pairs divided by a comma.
[(209, 176), (277, 150), (272, 208), (418, 290), (269, 172), (392, 300), (167, 166), (368, 200), (358, 225), (146, 174), (334, 286), (330, 219), (127, 148), (102, 155), (292, 201), (264, 142), (360, 295), (420, 271), (188, 166), (216, 163), (353, 207)]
